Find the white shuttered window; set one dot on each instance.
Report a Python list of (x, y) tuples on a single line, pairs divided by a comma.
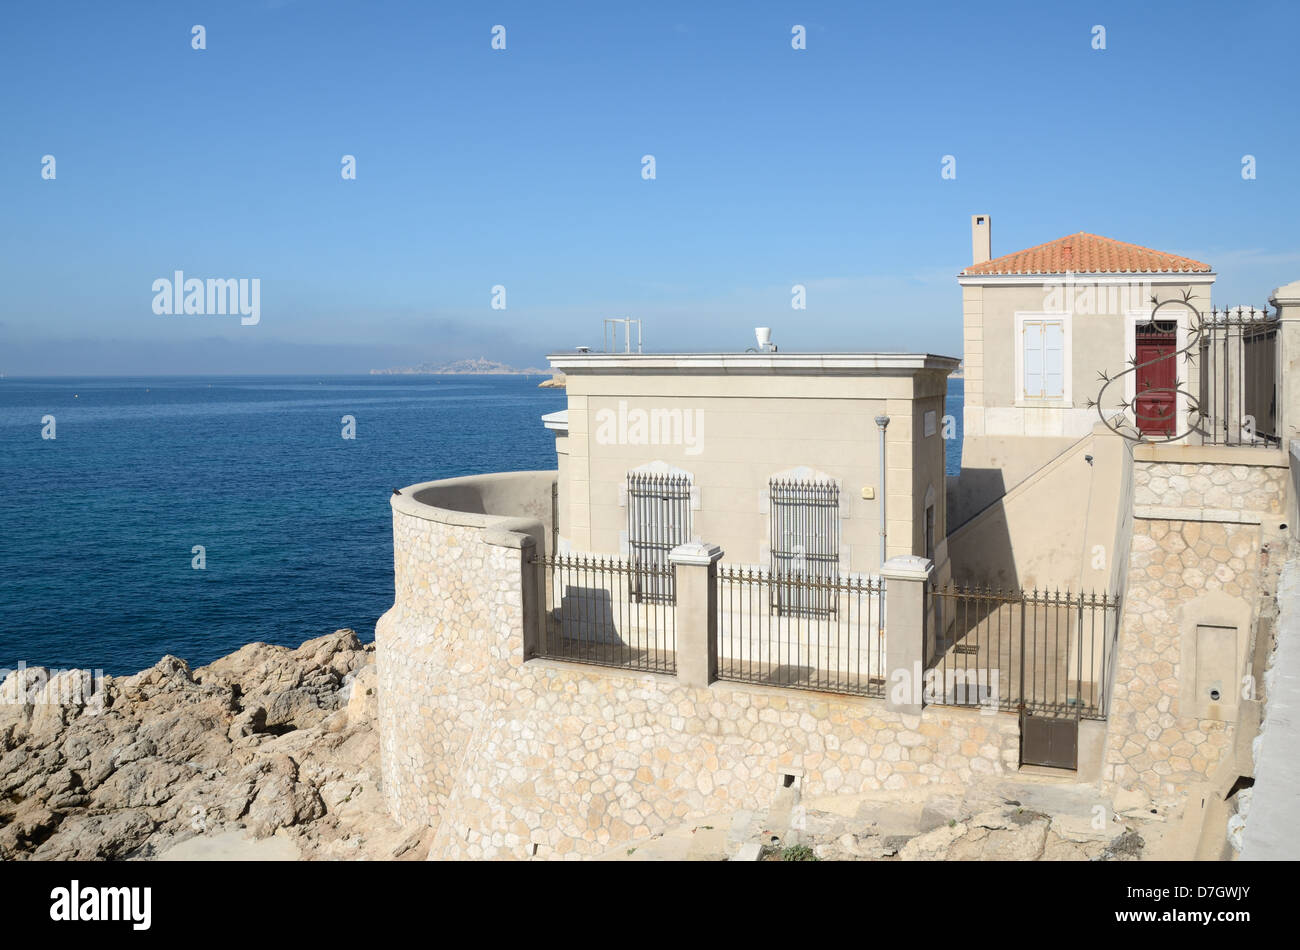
[(1044, 359)]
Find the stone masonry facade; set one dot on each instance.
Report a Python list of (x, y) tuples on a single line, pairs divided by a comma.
[(515, 759), (1152, 744), (1210, 488), (457, 599)]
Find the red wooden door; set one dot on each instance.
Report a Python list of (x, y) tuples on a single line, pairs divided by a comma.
[(1156, 400)]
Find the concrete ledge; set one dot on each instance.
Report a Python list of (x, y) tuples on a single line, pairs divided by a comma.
[(512, 508), (821, 364), (907, 567), (507, 537), (1257, 455), (596, 669), (1272, 831), (695, 554), (1224, 515)]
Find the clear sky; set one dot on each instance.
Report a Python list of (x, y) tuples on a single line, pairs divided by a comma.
[(522, 168)]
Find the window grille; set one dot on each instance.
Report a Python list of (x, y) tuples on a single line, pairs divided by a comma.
[(805, 546), (658, 519)]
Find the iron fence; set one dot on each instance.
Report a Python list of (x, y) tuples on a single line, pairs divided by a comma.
[(1238, 378), (838, 648), (1047, 652), (595, 614)]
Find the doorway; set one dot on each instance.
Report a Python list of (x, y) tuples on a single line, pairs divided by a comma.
[(1157, 377)]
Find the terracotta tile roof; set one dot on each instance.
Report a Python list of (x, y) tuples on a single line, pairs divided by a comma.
[(1085, 253)]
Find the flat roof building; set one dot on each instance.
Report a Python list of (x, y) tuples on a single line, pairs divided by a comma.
[(775, 457)]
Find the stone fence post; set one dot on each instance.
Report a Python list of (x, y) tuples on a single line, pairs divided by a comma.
[(532, 584), (696, 567), (906, 578), (1286, 300)]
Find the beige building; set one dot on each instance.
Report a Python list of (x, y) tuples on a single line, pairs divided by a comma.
[(774, 457), (1040, 325), (539, 706)]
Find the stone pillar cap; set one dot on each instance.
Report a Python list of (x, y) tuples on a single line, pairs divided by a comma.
[(695, 552), (1287, 293), (908, 567)]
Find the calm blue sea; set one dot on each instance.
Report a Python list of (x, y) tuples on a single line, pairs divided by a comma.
[(97, 525)]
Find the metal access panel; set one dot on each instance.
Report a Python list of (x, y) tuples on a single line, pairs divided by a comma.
[(1052, 741)]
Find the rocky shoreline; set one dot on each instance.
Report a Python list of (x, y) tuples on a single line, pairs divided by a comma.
[(270, 750), (273, 753)]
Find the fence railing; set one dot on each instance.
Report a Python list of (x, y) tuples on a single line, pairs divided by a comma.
[(1050, 652), (768, 634), (596, 613), (1047, 652), (1237, 359)]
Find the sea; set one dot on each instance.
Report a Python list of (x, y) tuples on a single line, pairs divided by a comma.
[(193, 515)]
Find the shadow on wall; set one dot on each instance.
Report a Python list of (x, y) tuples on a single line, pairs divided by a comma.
[(587, 614), (1059, 528), (984, 558), (971, 491)]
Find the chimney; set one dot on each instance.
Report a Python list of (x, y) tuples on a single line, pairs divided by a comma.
[(980, 239)]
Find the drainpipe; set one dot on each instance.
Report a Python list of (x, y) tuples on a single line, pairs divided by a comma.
[(882, 421)]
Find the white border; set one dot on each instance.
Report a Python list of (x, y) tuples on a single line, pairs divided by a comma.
[(1067, 360), (1079, 277), (1131, 319)]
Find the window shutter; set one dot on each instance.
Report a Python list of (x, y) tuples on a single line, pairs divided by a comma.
[(1054, 359), (1033, 359)]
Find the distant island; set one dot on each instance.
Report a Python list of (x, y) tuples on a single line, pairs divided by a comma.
[(478, 367)]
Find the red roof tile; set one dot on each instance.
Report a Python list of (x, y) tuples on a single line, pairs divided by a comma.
[(1085, 253)]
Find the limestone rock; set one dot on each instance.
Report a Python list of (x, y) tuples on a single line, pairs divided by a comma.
[(933, 845), (362, 690), (265, 741), (995, 819), (1132, 802), (1021, 842), (939, 811), (281, 800), (1079, 828)]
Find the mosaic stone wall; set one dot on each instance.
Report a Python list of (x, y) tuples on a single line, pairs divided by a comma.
[(458, 604), (513, 760), (1152, 744), (1240, 488)]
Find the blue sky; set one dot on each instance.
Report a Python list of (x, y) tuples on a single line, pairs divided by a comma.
[(522, 168)]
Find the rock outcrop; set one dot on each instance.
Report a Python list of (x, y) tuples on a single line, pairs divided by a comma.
[(267, 741)]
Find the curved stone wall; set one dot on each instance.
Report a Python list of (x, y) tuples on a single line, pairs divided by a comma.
[(459, 550)]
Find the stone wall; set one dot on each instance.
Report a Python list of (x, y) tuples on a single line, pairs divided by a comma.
[(1195, 558), (455, 597), (515, 759), (1151, 744), (571, 761), (459, 595), (1211, 490)]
